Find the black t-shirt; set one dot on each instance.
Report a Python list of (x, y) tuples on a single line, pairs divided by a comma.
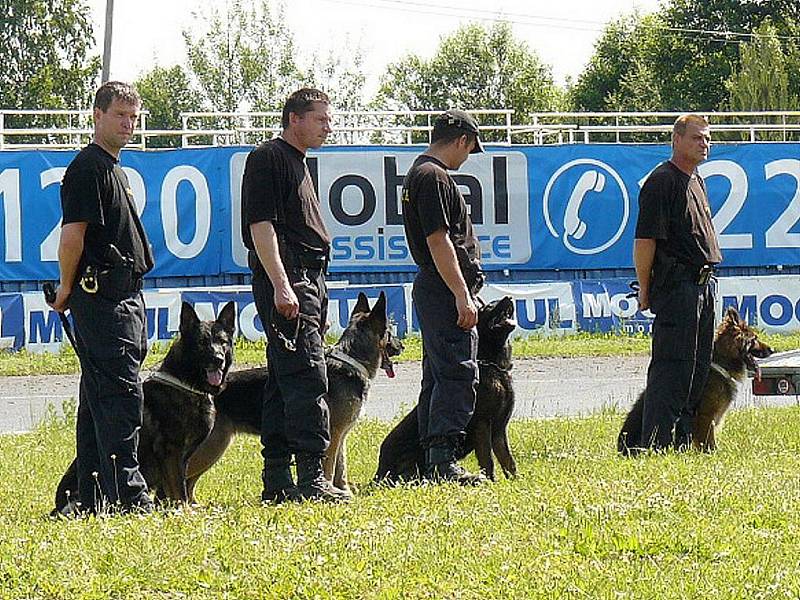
[(674, 210), (278, 187), (432, 201), (95, 190)]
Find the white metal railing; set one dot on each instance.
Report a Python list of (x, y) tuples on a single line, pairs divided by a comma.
[(73, 128)]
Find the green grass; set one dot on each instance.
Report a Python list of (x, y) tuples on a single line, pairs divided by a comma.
[(252, 353), (578, 522)]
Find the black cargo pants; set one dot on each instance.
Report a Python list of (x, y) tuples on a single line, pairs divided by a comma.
[(295, 412), (449, 363), (111, 335), (682, 342)]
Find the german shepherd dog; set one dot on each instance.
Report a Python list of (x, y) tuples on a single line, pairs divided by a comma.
[(402, 457), (736, 346), (365, 345), (178, 409)]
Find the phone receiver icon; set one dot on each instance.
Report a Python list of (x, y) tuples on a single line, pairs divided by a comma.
[(590, 181)]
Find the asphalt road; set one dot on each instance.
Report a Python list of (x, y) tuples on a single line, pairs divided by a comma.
[(545, 388)]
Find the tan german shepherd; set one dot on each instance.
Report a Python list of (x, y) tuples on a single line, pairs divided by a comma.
[(736, 346), (366, 345)]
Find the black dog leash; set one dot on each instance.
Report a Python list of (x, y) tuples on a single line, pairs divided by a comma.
[(289, 338), (49, 291)]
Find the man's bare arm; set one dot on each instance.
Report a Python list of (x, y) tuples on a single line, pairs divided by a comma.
[(265, 241), (70, 250), (644, 252), (444, 257)]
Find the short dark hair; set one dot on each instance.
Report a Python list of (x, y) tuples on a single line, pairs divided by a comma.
[(115, 89), (301, 102), (446, 135)]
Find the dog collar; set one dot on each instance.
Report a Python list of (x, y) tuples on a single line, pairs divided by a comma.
[(725, 374), (494, 365), (349, 360), (168, 379)]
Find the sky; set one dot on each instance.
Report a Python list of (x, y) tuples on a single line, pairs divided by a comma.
[(562, 32)]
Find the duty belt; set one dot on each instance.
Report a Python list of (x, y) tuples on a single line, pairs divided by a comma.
[(699, 275), (308, 261), (93, 279)]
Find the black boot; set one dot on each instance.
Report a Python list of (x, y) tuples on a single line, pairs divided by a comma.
[(441, 466), (311, 482), (277, 478)]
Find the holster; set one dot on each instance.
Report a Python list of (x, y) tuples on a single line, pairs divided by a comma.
[(110, 282), (295, 255)]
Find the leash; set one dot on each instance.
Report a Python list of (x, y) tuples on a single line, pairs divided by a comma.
[(49, 291), (349, 360), (168, 379), (289, 340), (725, 374)]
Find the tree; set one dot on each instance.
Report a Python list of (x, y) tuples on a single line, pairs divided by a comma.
[(245, 59), (611, 81), (343, 80), (638, 90), (474, 68), (166, 92), (762, 81), (686, 52), (45, 47)]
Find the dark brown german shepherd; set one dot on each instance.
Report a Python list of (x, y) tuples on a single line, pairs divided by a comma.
[(178, 407), (736, 346), (402, 457), (366, 344)]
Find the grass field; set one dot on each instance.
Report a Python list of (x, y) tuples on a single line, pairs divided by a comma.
[(578, 522), (252, 353)]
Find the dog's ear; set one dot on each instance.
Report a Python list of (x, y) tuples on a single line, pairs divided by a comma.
[(189, 318), (378, 314), (227, 318), (362, 304), (733, 314)]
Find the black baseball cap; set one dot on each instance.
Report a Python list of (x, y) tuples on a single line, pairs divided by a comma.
[(458, 119)]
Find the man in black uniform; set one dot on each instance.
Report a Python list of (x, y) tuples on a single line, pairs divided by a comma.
[(282, 228), (442, 243), (103, 254), (675, 252)]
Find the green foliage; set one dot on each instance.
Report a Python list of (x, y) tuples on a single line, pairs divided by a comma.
[(167, 92), (762, 81), (341, 75), (622, 54), (577, 522), (45, 46), (245, 56), (672, 60), (475, 68)]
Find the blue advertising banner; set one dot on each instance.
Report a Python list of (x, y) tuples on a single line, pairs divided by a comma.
[(534, 207), (584, 203), (12, 319), (771, 303)]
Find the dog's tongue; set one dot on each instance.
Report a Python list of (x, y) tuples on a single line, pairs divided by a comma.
[(387, 366), (214, 377), (758, 374)]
